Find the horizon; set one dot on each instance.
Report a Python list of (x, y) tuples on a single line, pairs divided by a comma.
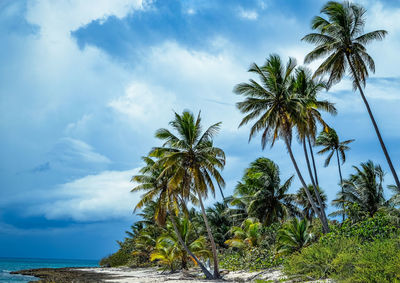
[(83, 90)]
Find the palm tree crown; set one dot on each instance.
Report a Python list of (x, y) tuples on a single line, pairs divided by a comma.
[(364, 188), (340, 36), (331, 143), (272, 103), (266, 198)]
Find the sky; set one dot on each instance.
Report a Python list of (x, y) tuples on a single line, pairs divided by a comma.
[(84, 86)]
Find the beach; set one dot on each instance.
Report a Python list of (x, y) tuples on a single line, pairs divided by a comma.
[(148, 275), (142, 275)]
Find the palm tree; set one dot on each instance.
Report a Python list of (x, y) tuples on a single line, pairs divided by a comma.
[(364, 188), (220, 222), (276, 109), (331, 143), (341, 38), (266, 198), (395, 199), (308, 88), (194, 160), (247, 235), (165, 253), (302, 200), (293, 236), (195, 244), (155, 181)]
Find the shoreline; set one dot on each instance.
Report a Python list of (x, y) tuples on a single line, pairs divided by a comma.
[(63, 275)]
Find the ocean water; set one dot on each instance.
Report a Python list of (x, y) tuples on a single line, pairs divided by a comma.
[(13, 264)]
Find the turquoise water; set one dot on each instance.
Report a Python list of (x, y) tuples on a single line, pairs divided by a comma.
[(13, 264)]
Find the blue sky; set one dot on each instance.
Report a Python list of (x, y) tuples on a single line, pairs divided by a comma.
[(83, 88)]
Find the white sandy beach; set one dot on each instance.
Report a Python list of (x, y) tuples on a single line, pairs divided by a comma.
[(150, 275)]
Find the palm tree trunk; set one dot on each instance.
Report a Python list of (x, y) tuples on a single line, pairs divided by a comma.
[(184, 261), (321, 205), (389, 161), (201, 265), (316, 211), (341, 181), (210, 236), (222, 194), (313, 161)]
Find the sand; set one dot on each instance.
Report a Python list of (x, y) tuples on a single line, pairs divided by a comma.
[(150, 275)]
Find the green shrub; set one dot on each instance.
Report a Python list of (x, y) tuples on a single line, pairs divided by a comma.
[(315, 261), (378, 261), (378, 227), (118, 258), (348, 260), (250, 259)]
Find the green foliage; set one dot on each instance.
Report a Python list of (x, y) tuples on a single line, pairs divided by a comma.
[(248, 235), (378, 261), (315, 261), (165, 253), (293, 236), (365, 189), (118, 258), (250, 259), (366, 252), (378, 227), (220, 222), (260, 193)]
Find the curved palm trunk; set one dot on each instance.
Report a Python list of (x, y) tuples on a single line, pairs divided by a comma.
[(210, 236), (313, 161), (378, 133), (201, 265), (321, 205), (316, 211), (341, 180)]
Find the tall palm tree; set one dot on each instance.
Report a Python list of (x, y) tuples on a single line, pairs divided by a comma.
[(155, 182), (308, 88), (340, 36), (194, 160), (276, 109), (363, 188), (331, 143), (302, 200), (266, 198)]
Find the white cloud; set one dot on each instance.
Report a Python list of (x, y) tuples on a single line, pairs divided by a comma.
[(143, 103), (58, 18), (200, 81), (73, 151), (248, 14), (92, 198)]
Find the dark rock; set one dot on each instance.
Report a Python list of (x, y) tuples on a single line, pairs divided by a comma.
[(64, 275)]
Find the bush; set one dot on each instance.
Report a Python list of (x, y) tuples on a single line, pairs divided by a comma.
[(378, 261), (316, 260), (118, 258), (378, 227), (250, 259), (348, 260)]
